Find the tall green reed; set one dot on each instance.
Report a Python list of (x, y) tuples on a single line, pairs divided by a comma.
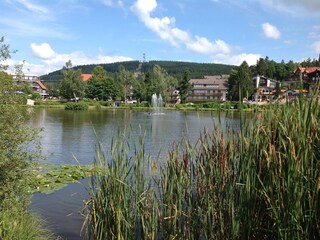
[(260, 183)]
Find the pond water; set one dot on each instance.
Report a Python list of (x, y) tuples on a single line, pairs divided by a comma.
[(67, 135)]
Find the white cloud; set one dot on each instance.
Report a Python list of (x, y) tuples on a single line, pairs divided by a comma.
[(165, 28), (237, 59), (204, 46), (33, 7), (112, 3), (293, 6), (316, 46), (43, 51), (270, 31), (51, 61)]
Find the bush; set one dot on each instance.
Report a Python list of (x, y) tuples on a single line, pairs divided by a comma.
[(106, 103), (80, 106), (47, 102)]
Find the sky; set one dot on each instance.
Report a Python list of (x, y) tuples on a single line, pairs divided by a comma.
[(48, 33)]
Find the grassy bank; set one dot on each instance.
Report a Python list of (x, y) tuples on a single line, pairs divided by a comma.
[(260, 183)]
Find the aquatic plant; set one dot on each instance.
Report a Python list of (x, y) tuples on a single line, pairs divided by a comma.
[(262, 182)]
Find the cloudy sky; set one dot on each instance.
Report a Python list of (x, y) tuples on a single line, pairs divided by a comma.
[(49, 33)]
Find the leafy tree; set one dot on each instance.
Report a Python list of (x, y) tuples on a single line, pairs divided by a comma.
[(160, 82), (271, 69), (15, 157), (233, 92), (184, 85), (240, 82), (125, 81), (53, 89), (71, 85), (281, 73), (261, 67), (101, 86)]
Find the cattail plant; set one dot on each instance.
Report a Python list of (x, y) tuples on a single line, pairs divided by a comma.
[(261, 182)]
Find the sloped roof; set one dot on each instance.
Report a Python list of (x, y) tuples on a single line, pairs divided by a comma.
[(306, 69), (86, 77), (43, 87), (311, 69), (216, 80)]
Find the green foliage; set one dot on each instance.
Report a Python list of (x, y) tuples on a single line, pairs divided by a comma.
[(47, 102), (18, 149), (184, 85), (71, 85), (173, 68), (262, 183), (197, 70), (100, 86), (15, 159), (158, 81), (125, 80), (269, 68), (214, 105), (49, 178), (240, 83), (16, 224), (78, 106)]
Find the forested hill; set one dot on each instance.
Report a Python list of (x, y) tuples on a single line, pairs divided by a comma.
[(174, 68)]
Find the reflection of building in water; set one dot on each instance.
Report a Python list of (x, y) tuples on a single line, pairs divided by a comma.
[(33, 81)]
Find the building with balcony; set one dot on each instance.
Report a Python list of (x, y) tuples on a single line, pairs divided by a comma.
[(33, 81), (265, 88), (210, 88)]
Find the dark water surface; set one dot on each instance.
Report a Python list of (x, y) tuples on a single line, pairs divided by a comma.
[(68, 135)]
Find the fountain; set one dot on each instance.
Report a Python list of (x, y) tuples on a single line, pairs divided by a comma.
[(157, 104)]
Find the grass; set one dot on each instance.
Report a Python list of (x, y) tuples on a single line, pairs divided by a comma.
[(260, 183), (16, 223)]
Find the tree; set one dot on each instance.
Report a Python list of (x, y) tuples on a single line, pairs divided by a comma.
[(261, 67), (184, 85), (15, 153), (240, 82), (101, 86), (160, 82), (233, 93), (125, 81), (281, 72), (71, 85)]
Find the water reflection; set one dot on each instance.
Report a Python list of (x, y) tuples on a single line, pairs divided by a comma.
[(68, 133)]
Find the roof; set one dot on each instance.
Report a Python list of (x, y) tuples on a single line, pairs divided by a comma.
[(86, 77), (216, 80), (43, 87), (307, 69), (311, 69)]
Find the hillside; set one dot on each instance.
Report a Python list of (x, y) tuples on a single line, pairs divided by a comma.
[(174, 68)]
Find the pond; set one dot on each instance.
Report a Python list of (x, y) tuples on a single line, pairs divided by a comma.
[(70, 135)]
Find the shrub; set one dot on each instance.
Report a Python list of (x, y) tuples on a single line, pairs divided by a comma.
[(80, 106)]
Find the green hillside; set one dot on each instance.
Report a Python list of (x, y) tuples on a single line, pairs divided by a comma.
[(174, 68)]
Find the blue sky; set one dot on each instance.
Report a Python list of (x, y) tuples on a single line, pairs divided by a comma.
[(49, 33)]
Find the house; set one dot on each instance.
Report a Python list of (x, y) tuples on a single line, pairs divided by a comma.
[(265, 88), (209, 88), (33, 81), (86, 77), (175, 96)]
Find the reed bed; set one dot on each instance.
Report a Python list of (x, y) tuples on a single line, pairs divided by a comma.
[(262, 182)]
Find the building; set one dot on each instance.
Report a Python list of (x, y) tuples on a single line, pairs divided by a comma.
[(33, 81), (209, 88), (175, 97), (86, 77), (265, 88)]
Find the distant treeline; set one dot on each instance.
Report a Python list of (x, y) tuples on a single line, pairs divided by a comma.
[(173, 68)]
